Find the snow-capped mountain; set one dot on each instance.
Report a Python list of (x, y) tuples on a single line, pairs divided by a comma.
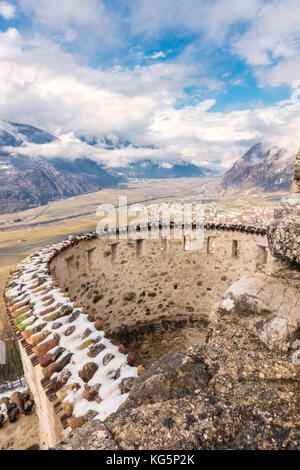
[(147, 169), (260, 170), (27, 182), (109, 142), (28, 179), (31, 134)]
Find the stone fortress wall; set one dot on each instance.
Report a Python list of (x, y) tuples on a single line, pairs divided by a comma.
[(153, 296), (239, 391), (160, 293), (50, 425), (143, 290)]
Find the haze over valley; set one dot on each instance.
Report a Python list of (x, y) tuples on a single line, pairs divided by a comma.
[(34, 180)]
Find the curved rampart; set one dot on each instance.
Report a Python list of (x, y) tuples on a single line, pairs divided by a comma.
[(127, 283), (63, 298), (73, 369)]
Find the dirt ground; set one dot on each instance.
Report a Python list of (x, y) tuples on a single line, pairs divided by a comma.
[(21, 435)]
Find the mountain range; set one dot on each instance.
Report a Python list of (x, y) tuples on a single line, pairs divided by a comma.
[(147, 169), (260, 170), (27, 182)]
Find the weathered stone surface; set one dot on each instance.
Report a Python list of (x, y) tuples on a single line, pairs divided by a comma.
[(69, 331), (38, 328), (38, 338), (96, 349), (127, 384), (57, 366), (86, 333), (248, 399), (25, 396), (172, 376), (68, 409), (16, 398), (45, 360), (57, 353), (76, 422), (296, 182), (88, 371), (90, 393), (11, 406), (284, 231), (74, 316), (28, 405), (265, 306), (61, 380), (92, 436), (48, 358), (49, 370), (13, 414), (56, 315), (107, 358), (45, 347)]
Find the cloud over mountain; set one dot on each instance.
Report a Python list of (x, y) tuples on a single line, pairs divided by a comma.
[(127, 80)]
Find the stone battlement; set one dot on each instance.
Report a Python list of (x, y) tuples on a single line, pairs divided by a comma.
[(60, 324), (79, 306)]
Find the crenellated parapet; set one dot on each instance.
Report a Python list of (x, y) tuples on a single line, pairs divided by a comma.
[(71, 337), (72, 368)]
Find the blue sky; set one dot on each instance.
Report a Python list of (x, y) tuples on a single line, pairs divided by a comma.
[(239, 86), (160, 72)]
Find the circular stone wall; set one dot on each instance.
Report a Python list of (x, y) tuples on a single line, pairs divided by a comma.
[(155, 295)]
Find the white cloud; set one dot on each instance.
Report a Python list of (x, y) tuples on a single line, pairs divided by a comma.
[(118, 26), (7, 10), (46, 87), (158, 55), (89, 26), (272, 42), (191, 134), (265, 33), (61, 14), (214, 18)]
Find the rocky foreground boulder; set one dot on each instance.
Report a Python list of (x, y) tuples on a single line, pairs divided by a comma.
[(266, 306), (245, 396), (284, 232), (296, 182)]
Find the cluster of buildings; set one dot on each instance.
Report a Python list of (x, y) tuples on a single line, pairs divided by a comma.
[(212, 212), (258, 216)]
